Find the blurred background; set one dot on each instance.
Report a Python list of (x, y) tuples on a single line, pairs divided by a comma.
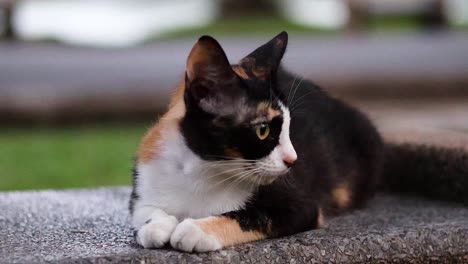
[(81, 80)]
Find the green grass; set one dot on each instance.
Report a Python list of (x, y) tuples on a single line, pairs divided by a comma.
[(271, 25), (245, 26), (461, 27), (394, 23), (67, 157)]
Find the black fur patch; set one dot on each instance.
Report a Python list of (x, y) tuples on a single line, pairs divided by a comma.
[(335, 143), (134, 196), (221, 105), (433, 172), (337, 146)]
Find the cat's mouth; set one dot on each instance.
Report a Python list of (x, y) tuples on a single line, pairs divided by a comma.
[(266, 176), (249, 174), (270, 176)]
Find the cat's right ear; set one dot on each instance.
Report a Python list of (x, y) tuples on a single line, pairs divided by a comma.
[(207, 69)]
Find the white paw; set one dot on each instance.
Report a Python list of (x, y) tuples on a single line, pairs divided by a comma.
[(157, 231), (189, 237)]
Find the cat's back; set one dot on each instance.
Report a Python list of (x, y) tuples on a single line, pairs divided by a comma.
[(315, 113), (337, 145)]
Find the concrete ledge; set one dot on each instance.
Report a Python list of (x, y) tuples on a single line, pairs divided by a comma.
[(92, 226)]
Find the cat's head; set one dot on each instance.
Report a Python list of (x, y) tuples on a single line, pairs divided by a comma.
[(236, 113)]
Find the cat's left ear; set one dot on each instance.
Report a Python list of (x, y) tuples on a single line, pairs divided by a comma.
[(267, 57)]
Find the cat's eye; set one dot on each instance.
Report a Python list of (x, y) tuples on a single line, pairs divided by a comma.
[(262, 131)]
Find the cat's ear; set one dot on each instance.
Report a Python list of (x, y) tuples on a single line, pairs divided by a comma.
[(208, 68), (267, 57)]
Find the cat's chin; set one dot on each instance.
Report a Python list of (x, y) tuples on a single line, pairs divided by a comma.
[(268, 180), (270, 177)]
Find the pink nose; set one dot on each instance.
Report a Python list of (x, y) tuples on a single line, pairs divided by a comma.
[(289, 161)]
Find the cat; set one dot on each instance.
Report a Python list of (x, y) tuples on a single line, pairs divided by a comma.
[(249, 151)]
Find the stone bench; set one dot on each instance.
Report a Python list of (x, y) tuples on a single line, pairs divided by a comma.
[(92, 226)]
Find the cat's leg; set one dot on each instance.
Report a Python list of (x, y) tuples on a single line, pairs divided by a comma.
[(153, 227), (216, 232)]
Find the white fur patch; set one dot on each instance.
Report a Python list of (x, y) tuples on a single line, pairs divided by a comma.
[(181, 184), (273, 165), (157, 230), (189, 237), (285, 145)]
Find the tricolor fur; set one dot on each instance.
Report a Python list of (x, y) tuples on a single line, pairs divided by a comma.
[(247, 152)]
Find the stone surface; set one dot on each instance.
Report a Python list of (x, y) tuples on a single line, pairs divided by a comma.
[(92, 226), (441, 122)]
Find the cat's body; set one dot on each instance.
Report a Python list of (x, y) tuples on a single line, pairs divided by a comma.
[(249, 151)]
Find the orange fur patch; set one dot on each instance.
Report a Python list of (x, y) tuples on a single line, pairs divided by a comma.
[(259, 74), (227, 230), (240, 72), (177, 106), (320, 219), (341, 196), (150, 145), (232, 153), (272, 113), (265, 107), (178, 95)]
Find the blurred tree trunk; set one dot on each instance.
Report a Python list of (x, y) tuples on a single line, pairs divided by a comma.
[(8, 7), (358, 15), (431, 14), (435, 17), (236, 8)]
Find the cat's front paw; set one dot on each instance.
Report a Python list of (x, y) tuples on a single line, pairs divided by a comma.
[(156, 231), (188, 236)]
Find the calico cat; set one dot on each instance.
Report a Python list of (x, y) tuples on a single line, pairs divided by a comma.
[(250, 151)]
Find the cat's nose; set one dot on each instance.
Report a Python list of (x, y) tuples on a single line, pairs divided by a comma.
[(289, 155), (289, 161)]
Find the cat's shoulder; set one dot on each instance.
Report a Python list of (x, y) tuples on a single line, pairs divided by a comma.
[(164, 129)]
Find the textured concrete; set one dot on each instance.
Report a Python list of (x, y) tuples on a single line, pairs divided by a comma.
[(91, 226), (434, 122)]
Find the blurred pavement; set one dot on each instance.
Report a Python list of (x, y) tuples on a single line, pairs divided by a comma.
[(50, 81)]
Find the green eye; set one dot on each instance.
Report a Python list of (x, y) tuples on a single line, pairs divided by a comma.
[(262, 131)]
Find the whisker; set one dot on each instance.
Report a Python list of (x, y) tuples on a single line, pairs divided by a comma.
[(238, 175), (227, 163), (227, 158), (226, 168), (228, 178), (237, 181), (241, 179), (230, 163), (271, 93), (287, 178), (291, 88), (299, 100), (295, 90), (224, 172)]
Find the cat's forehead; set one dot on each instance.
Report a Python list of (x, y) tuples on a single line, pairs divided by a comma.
[(265, 112), (262, 105), (256, 112), (248, 112), (255, 80)]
